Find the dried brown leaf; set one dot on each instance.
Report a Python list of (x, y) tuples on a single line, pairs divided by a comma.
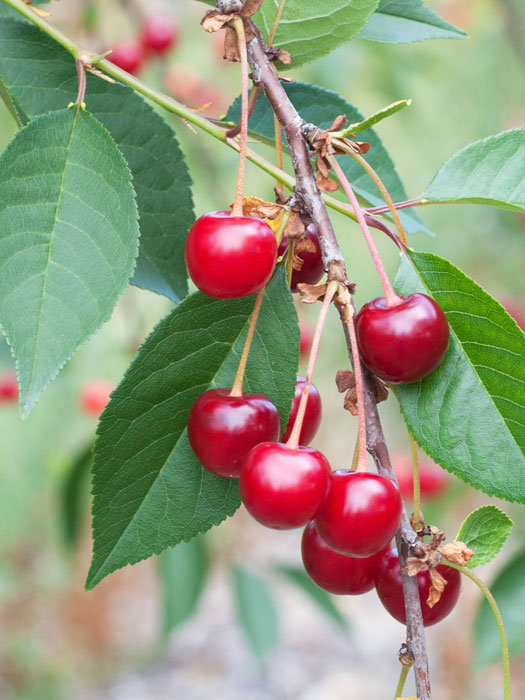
[(297, 262), (295, 227), (437, 587), (250, 7), (458, 552), (213, 21), (344, 380), (311, 293), (231, 45), (304, 245), (350, 402)]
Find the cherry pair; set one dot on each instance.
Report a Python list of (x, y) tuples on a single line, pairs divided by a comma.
[(157, 36)]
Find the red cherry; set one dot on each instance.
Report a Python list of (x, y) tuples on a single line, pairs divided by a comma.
[(402, 343), (361, 514), (128, 55), (390, 590), (313, 268), (284, 488), (230, 256), (222, 429), (334, 572), (158, 34), (8, 388), (312, 415), (95, 395), (433, 480), (305, 340)]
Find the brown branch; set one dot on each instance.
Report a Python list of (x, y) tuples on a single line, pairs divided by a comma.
[(307, 190)]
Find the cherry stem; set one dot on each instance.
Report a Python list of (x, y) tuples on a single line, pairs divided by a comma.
[(277, 19), (81, 93), (278, 150), (234, 131), (417, 490), (239, 377), (293, 440), (381, 187), (405, 668), (397, 205), (499, 620), (289, 261), (392, 299), (238, 25), (358, 376), (284, 220)]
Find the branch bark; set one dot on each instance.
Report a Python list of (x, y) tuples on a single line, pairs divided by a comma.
[(265, 77)]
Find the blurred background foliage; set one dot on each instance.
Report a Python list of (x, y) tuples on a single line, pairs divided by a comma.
[(58, 642)]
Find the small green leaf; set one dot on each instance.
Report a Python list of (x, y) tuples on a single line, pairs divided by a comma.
[(256, 610), (150, 492), (321, 598), (75, 496), (489, 171), (508, 589), (485, 531), (183, 570), (45, 79), (404, 21), (375, 118), (68, 241), (321, 107), (469, 413)]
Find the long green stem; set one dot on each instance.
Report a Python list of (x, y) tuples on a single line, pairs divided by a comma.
[(499, 620), (277, 19), (405, 668)]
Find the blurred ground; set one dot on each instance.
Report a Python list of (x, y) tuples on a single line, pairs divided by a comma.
[(58, 642)]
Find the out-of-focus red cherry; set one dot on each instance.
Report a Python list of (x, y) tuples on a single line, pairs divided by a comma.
[(8, 388), (95, 395), (128, 55), (305, 342), (158, 34), (433, 480)]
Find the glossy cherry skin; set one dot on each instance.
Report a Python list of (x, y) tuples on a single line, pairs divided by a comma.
[(230, 256), (389, 588), (284, 488), (222, 429), (403, 343), (8, 388), (334, 572), (433, 480), (158, 34), (361, 514), (312, 415), (128, 55), (313, 268), (95, 395)]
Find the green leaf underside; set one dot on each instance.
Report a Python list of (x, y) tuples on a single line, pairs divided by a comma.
[(310, 29), (320, 597), (485, 531), (183, 571), (40, 76), (508, 589), (405, 21), (75, 496), (490, 171), (256, 610), (319, 106), (68, 241), (149, 490), (468, 414)]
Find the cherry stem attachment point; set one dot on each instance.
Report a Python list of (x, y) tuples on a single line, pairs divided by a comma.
[(238, 25), (417, 490), (239, 377), (499, 620), (293, 440), (358, 376), (392, 299)]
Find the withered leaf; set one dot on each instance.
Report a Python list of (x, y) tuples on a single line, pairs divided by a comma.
[(304, 245), (458, 552), (344, 380), (311, 293), (295, 227), (214, 20), (297, 262), (250, 7), (437, 587), (350, 402)]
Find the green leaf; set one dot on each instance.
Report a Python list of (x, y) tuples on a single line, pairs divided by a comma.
[(404, 21), (183, 571), (321, 598), (75, 496), (256, 610), (468, 414), (508, 589), (485, 531), (375, 118), (319, 106), (489, 171), (68, 241), (149, 490), (40, 76)]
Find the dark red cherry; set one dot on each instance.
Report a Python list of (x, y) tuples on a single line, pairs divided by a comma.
[(312, 416), (8, 388), (230, 256), (313, 268), (158, 34), (402, 343), (389, 588), (433, 480), (222, 429), (284, 488), (128, 55), (334, 572), (361, 514)]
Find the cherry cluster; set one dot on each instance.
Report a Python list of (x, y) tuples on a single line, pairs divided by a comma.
[(350, 517), (157, 36)]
